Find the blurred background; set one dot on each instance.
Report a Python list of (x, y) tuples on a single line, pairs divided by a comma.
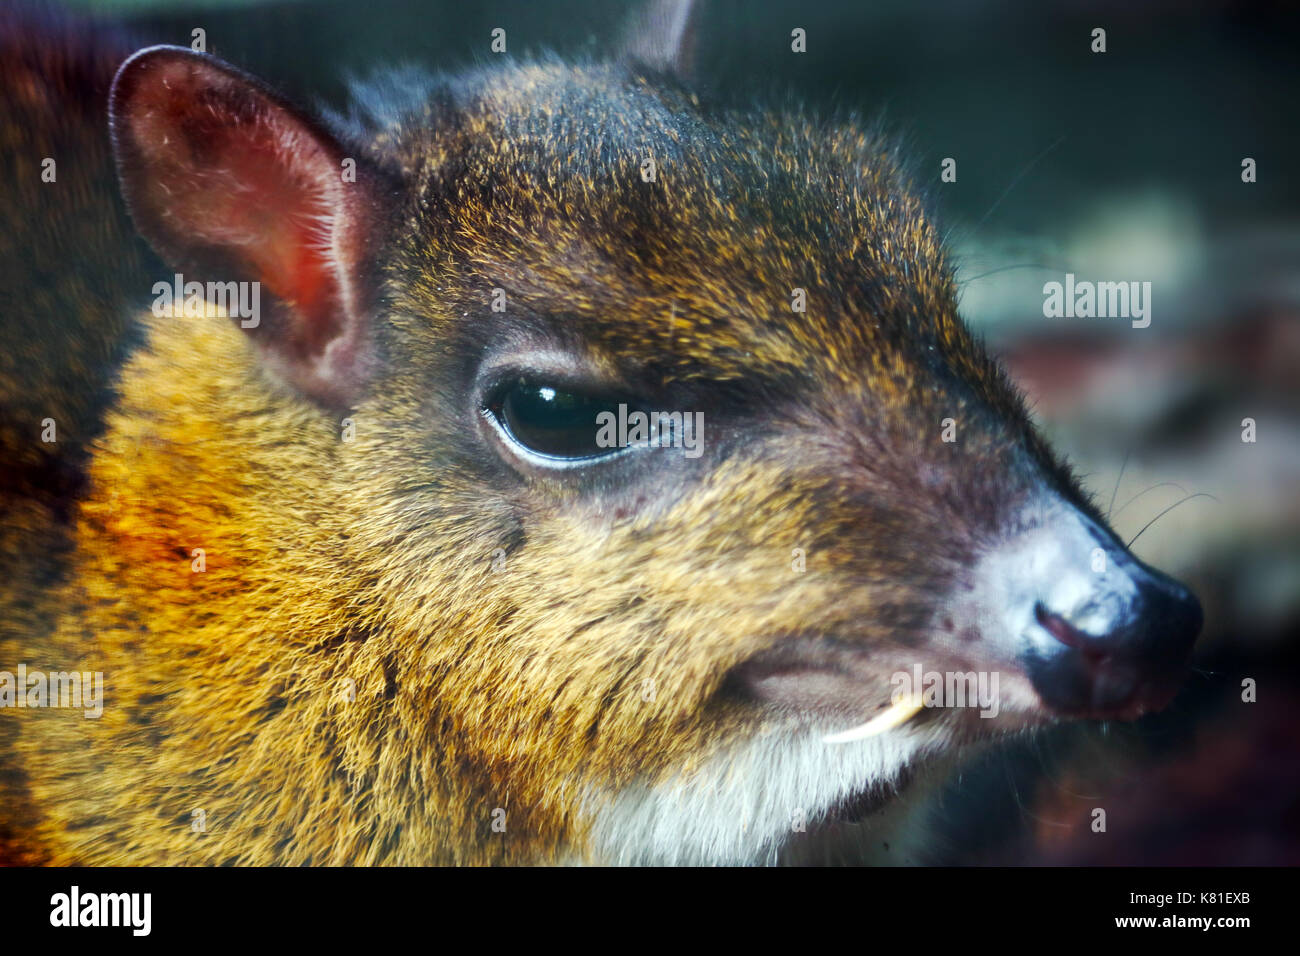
[(1117, 166)]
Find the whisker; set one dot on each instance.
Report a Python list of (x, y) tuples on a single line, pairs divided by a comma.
[(1123, 465), (1056, 774), (1015, 182), (1163, 484), (1025, 812), (1020, 265), (1199, 494)]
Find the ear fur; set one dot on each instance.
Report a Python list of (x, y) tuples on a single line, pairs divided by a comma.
[(662, 35), (230, 183)]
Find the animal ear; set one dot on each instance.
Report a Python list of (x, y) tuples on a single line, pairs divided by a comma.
[(229, 182), (661, 34)]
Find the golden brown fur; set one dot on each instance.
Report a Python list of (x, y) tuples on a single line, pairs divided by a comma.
[(516, 642)]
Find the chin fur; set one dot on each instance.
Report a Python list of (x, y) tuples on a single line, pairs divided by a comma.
[(772, 799)]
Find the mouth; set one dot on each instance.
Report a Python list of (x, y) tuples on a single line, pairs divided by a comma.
[(852, 693), (830, 683), (1091, 684), (1058, 620)]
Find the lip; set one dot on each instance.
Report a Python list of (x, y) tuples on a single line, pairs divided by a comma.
[(803, 686), (817, 674), (838, 684), (1107, 687)]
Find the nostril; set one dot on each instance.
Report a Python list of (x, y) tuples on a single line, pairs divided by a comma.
[(1061, 629), (1100, 642)]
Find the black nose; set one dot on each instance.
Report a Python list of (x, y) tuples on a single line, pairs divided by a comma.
[(1116, 645)]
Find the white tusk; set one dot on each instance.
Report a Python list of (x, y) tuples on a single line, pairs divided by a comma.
[(899, 713)]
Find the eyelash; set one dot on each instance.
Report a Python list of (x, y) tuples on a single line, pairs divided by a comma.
[(551, 463), (493, 411)]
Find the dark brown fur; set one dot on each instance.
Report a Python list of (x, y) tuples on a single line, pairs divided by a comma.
[(481, 687)]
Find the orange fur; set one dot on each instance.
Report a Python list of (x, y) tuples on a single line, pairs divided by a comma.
[(598, 657)]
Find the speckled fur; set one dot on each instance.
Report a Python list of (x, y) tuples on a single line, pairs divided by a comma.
[(594, 665)]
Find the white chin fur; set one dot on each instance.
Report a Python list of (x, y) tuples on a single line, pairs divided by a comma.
[(742, 805)]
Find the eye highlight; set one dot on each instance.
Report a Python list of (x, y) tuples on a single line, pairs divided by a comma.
[(555, 423)]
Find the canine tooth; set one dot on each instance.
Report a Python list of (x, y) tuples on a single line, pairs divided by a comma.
[(899, 713)]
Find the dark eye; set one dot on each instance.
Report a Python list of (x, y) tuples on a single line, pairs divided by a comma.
[(553, 421)]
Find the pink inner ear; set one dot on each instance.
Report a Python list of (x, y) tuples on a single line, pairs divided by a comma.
[(234, 178), (290, 227)]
